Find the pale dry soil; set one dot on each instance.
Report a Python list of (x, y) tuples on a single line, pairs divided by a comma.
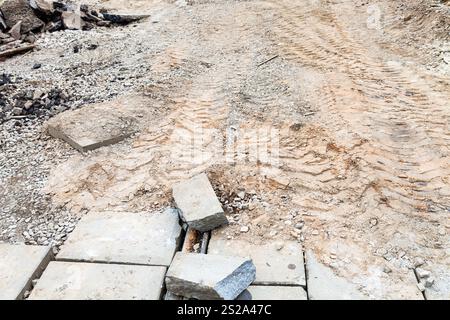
[(346, 130)]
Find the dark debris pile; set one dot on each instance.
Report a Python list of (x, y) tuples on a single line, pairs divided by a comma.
[(22, 20)]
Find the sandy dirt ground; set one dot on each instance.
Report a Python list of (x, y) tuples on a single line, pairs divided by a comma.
[(341, 141)]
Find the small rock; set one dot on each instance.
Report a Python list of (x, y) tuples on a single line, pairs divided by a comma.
[(421, 273), (208, 276), (15, 31), (16, 111), (387, 269), (418, 262), (315, 232), (244, 229), (299, 225), (72, 20), (37, 66), (429, 282), (198, 204)]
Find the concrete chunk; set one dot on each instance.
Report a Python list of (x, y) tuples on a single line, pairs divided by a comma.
[(209, 277), (273, 293), (198, 203), (323, 284), (91, 281), (124, 237), (93, 126), (274, 266), (19, 10), (19, 265)]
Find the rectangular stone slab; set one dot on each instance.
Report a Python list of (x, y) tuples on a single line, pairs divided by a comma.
[(273, 293), (92, 281), (95, 125), (198, 203), (209, 277), (273, 267), (124, 237), (323, 284), (19, 265)]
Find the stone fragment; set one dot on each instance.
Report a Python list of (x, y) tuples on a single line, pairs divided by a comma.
[(422, 273), (209, 277), (15, 31), (44, 6), (92, 281), (72, 20), (198, 204)]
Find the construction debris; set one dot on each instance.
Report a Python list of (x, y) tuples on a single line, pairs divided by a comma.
[(15, 11), (209, 277), (22, 19), (198, 204)]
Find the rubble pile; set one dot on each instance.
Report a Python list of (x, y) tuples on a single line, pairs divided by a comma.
[(22, 20), (30, 103)]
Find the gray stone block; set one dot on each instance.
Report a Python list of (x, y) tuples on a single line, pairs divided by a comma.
[(19, 265), (92, 126), (274, 266), (124, 237), (209, 277), (198, 204), (92, 281), (323, 284), (273, 293)]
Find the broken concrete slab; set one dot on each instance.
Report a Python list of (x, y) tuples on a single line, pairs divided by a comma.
[(19, 265), (124, 237), (274, 265), (19, 10), (209, 277), (273, 293), (324, 284), (72, 20), (92, 281), (198, 204), (93, 126), (15, 31)]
